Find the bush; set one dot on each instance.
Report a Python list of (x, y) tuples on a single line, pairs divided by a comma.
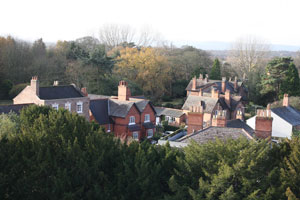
[(16, 89)]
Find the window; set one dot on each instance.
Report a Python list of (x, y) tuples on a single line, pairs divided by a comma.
[(79, 108), (135, 135), (147, 118), (55, 106), (150, 133), (132, 120), (68, 106)]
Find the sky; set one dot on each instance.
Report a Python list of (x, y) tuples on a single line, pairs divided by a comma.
[(276, 21)]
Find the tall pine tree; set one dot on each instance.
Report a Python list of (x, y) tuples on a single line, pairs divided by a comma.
[(291, 84), (215, 73)]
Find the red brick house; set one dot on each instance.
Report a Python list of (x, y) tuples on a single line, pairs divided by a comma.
[(127, 117)]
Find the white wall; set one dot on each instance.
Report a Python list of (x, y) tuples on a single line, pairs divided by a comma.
[(280, 127)]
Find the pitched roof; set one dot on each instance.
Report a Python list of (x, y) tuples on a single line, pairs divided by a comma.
[(119, 108), (96, 96), (59, 92), (237, 123), (16, 108), (211, 133), (208, 102), (289, 114), (168, 112), (99, 109)]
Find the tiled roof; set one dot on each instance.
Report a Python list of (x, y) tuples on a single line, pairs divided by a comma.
[(59, 92), (211, 133), (99, 109), (289, 114), (119, 108), (209, 102), (16, 108), (148, 125), (168, 112), (237, 123)]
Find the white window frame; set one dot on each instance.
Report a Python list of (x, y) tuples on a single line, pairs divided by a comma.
[(55, 106), (151, 131), (131, 120), (81, 106), (68, 106), (147, 119), (135, 135)]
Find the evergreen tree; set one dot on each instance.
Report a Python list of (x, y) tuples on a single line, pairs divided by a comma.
[(215, 73), (291, 83)]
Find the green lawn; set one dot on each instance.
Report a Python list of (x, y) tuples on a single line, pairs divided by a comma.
[(6, 102)]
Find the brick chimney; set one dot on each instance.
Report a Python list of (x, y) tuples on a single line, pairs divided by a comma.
[(200, 77), (227, 98), (206, 80), (263, 123), (285, 101), (195, 119), (35, 85), (55, 83), (239, 115), (223, 84), (215, 93), (194, 83), (200, 92), (219, 118), (235, 83), (84, 91), (123, 91)]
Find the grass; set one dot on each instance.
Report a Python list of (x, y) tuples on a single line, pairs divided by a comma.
[(6, 102)]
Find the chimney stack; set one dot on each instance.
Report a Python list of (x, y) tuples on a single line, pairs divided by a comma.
[(201, 77), (285, 101), (239, 115), (84, 91), (223, 84), (219, 118), (200, 92), (194, 83), (55, 83), (227, 98), (195, 119), (215, 93), (263, 123), (35, 85), (235, 83), (206, 80), (123, 91)]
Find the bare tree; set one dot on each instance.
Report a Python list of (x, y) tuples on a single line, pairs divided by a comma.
[(248, 53), (113, 35)]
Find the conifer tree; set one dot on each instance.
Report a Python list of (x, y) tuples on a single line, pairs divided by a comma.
[(291, 84), (215, 73)]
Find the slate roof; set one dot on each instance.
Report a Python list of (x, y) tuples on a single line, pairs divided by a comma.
[(119, 108), (134, 127), (16, 108), (237, 123), (289, 114), (148, 125), (96, 96), (213, 83), (168, 112), (208, 102), (211, 133), (99, 109), (59, 92)]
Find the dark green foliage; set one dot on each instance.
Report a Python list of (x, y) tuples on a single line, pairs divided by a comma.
[(279, 78), (215, 72), (16, 89), (5, 87)]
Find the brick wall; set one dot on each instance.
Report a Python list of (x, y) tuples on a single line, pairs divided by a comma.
[(195, 122)]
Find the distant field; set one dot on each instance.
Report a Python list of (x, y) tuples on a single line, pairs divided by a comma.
[(5, 102)]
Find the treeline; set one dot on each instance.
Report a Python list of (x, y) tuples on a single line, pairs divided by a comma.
[(154, 72), (48, 154)]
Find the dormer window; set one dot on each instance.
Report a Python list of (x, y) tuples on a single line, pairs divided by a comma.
[(147, 118), (55, 106), (131, 120), (68, 106), (79, 108)]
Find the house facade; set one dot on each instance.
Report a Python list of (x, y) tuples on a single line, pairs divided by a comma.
[(127, 117), (174, 117), (68, 97), (286, 119)]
